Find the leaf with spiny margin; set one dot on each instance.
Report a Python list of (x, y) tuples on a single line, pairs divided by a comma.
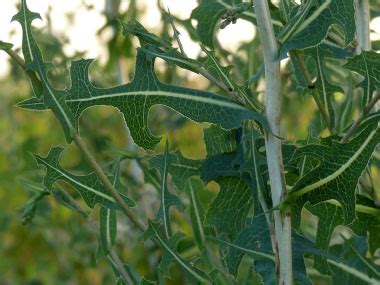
[(167, 199), (197, 213), (135, 100), (351, 270), (52, 98), (89, 186), (170, 254), (218, 140), (330, 215), (336, 177), (313, 30), (366, 64), (209, 12)]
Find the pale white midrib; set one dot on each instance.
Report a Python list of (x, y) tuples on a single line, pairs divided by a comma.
[(178, 259), (295, 25), (338, 172), (224, 76), (323, 82), (80, 184), (368, 80), (184, 166), (258, 253), (358, 208), (108, 232), (27, 34), (62, 111), (165, 94), (163, 188), (171, 58), (195, 205), (312, 17), (354, 272)]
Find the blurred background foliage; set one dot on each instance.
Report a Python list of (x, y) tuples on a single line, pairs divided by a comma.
[(57, 245)]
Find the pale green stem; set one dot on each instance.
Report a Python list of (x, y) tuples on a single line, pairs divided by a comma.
[(362, 18), (273, 144)]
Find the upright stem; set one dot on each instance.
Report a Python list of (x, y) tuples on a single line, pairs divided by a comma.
[(273, 144), (362, 17)]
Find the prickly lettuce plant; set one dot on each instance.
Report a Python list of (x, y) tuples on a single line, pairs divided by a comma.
[(286, 211)]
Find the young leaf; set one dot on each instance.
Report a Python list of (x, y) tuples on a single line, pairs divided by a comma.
[(170, 254), (155, 46), (336, 176), (315, 27), (168, 199), (89, 186), (209, 12), (368, 65), (222, 73)]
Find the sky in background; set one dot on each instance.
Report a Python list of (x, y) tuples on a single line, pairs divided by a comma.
[(82, 30)]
